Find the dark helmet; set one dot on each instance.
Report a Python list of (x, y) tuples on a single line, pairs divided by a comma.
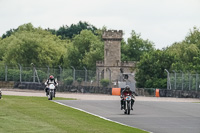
[(51, 77), (127, 87)]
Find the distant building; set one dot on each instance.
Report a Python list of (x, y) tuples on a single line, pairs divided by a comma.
[(112, 67)]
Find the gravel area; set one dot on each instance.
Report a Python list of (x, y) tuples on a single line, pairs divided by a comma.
[(86, 96)]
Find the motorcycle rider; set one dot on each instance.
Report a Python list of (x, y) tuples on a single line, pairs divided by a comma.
[(124, 93), (50, 80)]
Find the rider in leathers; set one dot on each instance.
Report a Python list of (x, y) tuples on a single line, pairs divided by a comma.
[(126, 92), (50, 80)]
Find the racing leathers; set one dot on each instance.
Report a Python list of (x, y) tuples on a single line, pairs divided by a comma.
[(125, 93), (50, 81)]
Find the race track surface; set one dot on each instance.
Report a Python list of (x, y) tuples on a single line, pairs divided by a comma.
[(152, 116)]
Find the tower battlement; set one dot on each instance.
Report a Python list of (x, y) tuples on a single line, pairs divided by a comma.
[(112, 35)]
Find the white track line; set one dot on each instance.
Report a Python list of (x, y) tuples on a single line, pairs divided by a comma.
[(98, 116)]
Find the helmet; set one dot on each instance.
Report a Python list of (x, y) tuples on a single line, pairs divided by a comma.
[(127, 87), (51, 77)]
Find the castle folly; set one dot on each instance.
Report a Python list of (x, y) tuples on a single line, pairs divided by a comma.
[(112, 68)]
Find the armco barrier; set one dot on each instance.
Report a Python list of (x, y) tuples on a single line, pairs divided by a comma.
[(85, 89), (29, 85), (179, 93)]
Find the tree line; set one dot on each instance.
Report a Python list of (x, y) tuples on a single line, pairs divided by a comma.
[(81, 45)]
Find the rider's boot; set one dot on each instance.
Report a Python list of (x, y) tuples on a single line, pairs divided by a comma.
[(122, 105), (55, 93), (47, 92)]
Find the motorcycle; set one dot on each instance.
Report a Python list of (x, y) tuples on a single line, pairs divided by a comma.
[(127, 104), (51, 91), (0, 94)]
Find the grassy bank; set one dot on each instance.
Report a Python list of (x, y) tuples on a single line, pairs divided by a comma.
[(19, 114)]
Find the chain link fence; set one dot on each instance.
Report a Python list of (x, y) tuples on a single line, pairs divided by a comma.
[(183, 81), (13, 75)]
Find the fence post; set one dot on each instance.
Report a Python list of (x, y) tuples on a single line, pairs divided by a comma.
[(20, 75), (189, 80), (98, 76), (85, 74), (175, 79), (47, 71), (33, 72), (6, 72), (60, 72), (197, 77), (73, 72), (168, 81), (182, 80)]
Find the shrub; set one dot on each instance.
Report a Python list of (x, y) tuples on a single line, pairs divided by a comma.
[(68, 80), (104, 82), (79, 80), (151, 91)]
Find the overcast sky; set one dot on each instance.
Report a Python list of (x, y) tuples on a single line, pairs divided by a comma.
[(160, 21)]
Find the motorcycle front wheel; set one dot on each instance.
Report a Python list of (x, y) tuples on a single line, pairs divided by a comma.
[(128, 108), (51, 95)]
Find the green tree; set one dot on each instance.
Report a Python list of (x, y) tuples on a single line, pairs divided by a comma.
[(135, 47), (187, 52), (74, 29), (96, 53), (9, 33), (72, 56), (184, 56), (32, 45), (53, 31), (86, 48), (193, 37), (151, 69)]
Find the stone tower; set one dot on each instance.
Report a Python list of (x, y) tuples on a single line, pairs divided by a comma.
[(112, 68), (112, 53), (112, 47)]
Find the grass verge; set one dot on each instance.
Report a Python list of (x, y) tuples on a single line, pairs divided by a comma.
[(20, 114)]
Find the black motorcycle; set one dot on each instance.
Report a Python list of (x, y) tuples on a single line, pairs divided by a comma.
[(127, 104)]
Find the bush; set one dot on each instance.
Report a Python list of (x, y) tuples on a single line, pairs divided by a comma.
[(68, 81), (79, 80), (104, 82), (151, 91)]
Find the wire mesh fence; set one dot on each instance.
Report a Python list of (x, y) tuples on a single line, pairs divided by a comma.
[(183, 81), (34, 74)]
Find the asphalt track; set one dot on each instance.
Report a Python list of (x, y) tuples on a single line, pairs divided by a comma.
[(156, 117)]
